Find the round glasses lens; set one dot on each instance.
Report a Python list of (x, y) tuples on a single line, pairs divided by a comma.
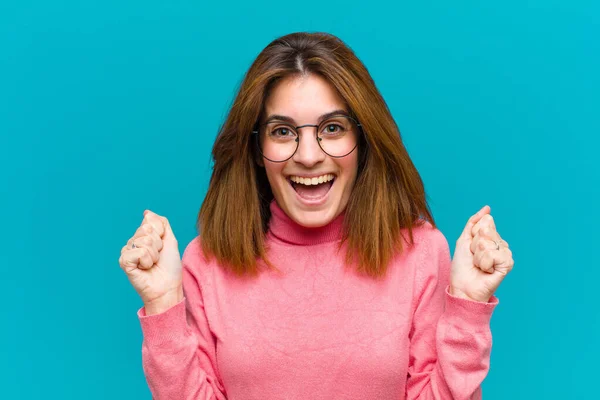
[(337, 136), (278, 141)]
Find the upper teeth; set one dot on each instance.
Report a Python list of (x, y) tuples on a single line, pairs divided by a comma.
[(312, 181)]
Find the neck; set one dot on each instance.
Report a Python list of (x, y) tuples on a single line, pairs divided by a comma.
[(285, 229)]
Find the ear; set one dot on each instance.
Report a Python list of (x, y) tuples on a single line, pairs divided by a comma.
[(259, 161), (258, 157)]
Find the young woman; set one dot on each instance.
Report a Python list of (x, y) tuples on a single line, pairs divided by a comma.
[(319, 272)]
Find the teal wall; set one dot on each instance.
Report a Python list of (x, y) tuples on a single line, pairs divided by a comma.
[(110, 107)]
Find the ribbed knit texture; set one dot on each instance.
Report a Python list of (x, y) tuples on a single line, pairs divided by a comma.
[(317, 329)]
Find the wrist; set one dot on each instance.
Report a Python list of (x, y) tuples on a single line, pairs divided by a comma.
[(164, 302), (462, 295)]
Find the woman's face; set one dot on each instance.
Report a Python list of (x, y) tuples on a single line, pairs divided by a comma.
[(304, 99)]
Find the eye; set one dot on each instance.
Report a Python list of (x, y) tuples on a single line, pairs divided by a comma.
[(282, 132), (333, 128)]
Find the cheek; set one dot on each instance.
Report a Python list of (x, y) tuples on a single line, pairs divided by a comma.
[(349, 166), (274, 174)]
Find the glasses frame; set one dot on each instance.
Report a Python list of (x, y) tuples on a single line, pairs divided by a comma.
[(256, 133)]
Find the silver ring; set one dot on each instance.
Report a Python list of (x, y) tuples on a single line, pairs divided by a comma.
[(133, 246), (497, 245)]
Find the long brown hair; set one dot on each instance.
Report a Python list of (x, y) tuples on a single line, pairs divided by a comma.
[(388, 195)]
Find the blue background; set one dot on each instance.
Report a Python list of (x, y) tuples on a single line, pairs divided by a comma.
[(109, 107)]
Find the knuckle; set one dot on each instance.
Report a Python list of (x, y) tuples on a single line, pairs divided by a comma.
[(152, 221), (164, 221), (155, 226)]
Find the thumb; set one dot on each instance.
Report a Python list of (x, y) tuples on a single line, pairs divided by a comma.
[(169, 235)]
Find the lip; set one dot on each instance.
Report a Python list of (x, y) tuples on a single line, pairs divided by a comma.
[(311, 176), (316, 202)]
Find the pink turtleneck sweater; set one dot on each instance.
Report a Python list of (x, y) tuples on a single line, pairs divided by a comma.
[(319, 330)]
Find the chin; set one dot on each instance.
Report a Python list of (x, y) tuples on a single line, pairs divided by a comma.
[(313, 219)]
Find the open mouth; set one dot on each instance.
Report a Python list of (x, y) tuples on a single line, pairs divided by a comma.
[(312, 189)]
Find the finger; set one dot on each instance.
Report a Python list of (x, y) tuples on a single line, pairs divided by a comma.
[(489, 233), (156, 221), (466, 233), (130, 259), (145, 258), (125, 248), (146, 261), (169, 235), (486, 221), (148, 230), (157, 241), (481, 243), (484, 260), (147, 242), (494, 260), (504, 261)]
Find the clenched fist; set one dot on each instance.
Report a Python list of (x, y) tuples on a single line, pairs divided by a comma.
[(152, 263), (482, 259)]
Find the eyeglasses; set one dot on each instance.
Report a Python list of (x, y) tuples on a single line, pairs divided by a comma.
[(337, 136)]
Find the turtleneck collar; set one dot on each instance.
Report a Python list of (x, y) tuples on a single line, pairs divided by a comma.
[(284, 228)]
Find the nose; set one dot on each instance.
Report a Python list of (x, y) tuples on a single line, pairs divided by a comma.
[(309, 152)]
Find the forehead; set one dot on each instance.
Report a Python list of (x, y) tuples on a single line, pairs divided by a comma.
[(303, 97)]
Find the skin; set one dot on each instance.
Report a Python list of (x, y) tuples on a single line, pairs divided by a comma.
[(305, 99), (478, 266), (155, 271), (154, 267)]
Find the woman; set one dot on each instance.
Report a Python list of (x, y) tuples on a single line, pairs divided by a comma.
[(318, 272)]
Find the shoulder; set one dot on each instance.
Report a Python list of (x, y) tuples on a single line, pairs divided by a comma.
[(193, 249), (427, 237), (429, 252), (194, 259)]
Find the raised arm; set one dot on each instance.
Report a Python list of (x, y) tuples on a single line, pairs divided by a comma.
[(450, 339), (178, 351)]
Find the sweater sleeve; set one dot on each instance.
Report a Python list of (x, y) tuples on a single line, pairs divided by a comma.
[(178, 349), (450, 337)]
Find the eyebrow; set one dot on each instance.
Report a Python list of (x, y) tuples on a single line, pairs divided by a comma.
[(276, 117)]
